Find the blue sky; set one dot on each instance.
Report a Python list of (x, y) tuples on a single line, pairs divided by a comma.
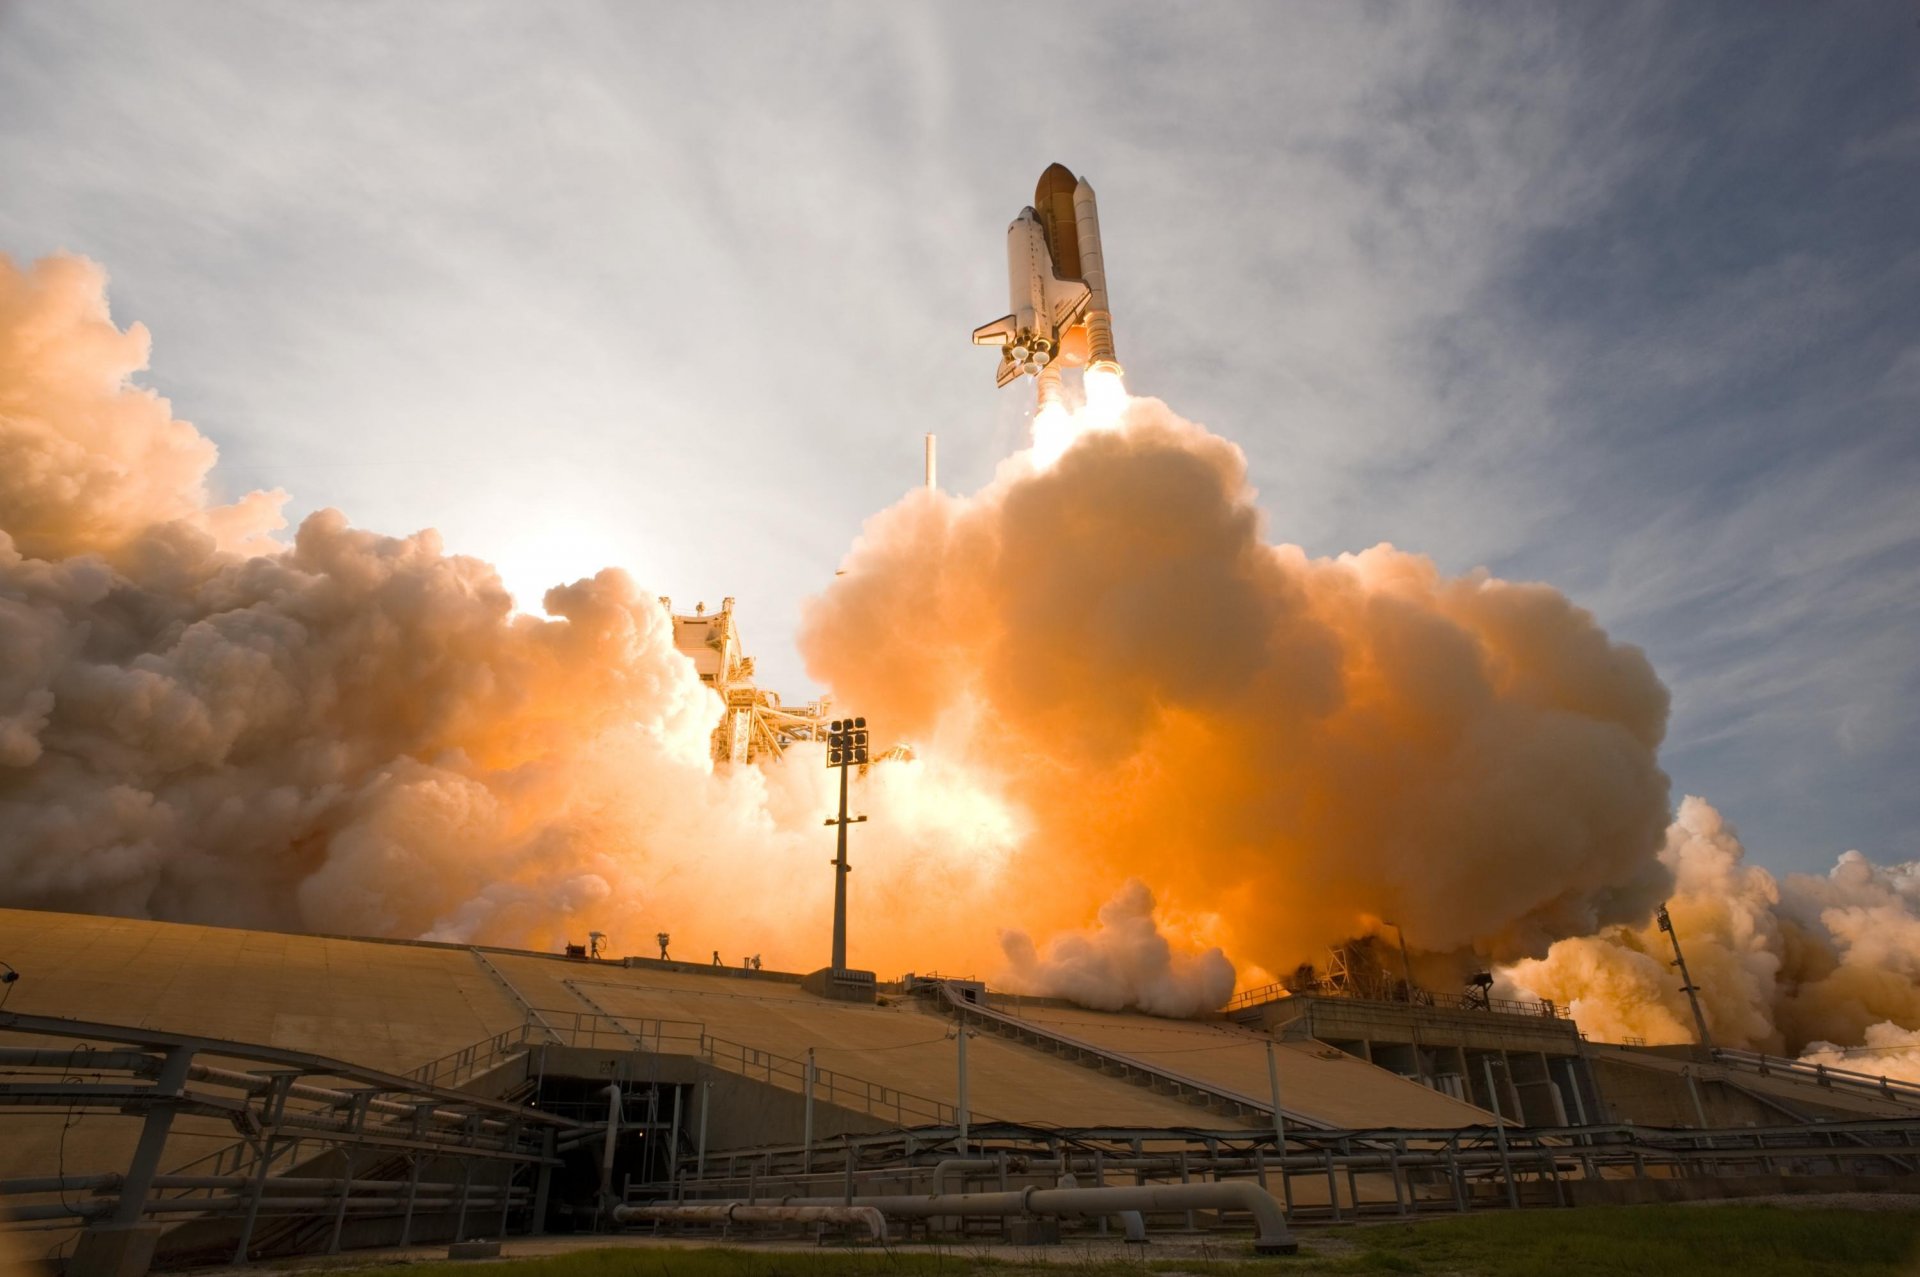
[(1621, 297)]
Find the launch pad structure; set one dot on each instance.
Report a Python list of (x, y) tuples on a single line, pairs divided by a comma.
[(755, 726), (252, 1094)]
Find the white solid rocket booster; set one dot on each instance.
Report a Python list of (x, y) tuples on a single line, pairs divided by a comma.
[(1093, 269), (1057, 289)]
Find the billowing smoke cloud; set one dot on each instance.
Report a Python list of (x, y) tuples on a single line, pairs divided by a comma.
[(1791, 964), (356, 733), (1122, 962), (1304, 747), (1887, 1051), (1108, 673)]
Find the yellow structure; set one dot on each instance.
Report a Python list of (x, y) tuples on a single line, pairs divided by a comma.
[(754, 725)]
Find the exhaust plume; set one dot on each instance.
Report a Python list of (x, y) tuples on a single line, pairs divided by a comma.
[(356, 733), (1109, 673), (1123, 962), (1301, 746), (1785, 965)]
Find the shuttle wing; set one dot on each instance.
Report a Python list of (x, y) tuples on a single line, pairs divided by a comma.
[(998, 333), (1066, 298)]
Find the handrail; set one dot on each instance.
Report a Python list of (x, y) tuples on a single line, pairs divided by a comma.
[(598, 1030), (1821, 1074), (690, 1037), (469, 1061), (1421, 998), (844, 1089), (962, 1007)]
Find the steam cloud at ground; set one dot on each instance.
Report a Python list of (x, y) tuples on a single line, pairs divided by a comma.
[(1113, 682), (1800, 964), (1123, 962)]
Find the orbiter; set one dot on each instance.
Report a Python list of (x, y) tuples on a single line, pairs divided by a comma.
[(1058, 282)]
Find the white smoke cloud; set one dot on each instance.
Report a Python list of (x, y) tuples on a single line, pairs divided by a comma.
[(1886, 1051), (1124, 961), (357, 733), (1783, 964)]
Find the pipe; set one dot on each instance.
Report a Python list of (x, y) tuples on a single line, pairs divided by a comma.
[(1274, 1237), (1132, 1222), (949, 1165), (743, 1213), (78, 1058), (613, 1137)]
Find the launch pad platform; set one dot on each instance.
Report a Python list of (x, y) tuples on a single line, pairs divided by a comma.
[(332, 1092)]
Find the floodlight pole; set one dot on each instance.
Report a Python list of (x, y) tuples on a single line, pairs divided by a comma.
[(846, 747), (840, 881)]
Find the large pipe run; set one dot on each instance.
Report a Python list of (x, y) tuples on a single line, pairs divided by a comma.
[(742, 1213), (1273, 1238)]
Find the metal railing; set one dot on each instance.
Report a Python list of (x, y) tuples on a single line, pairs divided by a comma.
[(324, 1138), (1420, 998), (1820, 1074), (607, 1031), (1333, 1174), (904, 1108), (456, 1067), (601, 1031), (1182, 1085)]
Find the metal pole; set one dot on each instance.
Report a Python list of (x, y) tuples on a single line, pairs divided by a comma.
[(340, 1211), (806, 1158), (612, 1138), (1273, 1089), (167, 1089), (961, 1112), (1687, 986), (413, 1190), (700, 1158), (840, 881), (1406, 969), (1693, 1089), (466, 1185), (261, 1165), (1500, 1133), (541, 1186), (673, 1147)]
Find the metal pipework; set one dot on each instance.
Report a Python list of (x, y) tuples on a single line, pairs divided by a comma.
[(1273, 1236), (612, 1137), (745, 1213)]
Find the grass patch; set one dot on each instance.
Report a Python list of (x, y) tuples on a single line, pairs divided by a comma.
[(1623, 1241), (1710, 1241)]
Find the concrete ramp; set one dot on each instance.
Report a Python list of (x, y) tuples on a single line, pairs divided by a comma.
[(897, 1041), (1319, 1085)]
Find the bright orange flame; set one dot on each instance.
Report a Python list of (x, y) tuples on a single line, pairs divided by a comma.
[(1056, 428)]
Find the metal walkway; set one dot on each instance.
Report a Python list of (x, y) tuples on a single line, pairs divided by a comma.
[(320, 1140)]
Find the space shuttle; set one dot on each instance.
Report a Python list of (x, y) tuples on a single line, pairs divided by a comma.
[(1058, 282)]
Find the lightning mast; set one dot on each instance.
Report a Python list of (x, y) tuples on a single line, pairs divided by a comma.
[(1687, 986)]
